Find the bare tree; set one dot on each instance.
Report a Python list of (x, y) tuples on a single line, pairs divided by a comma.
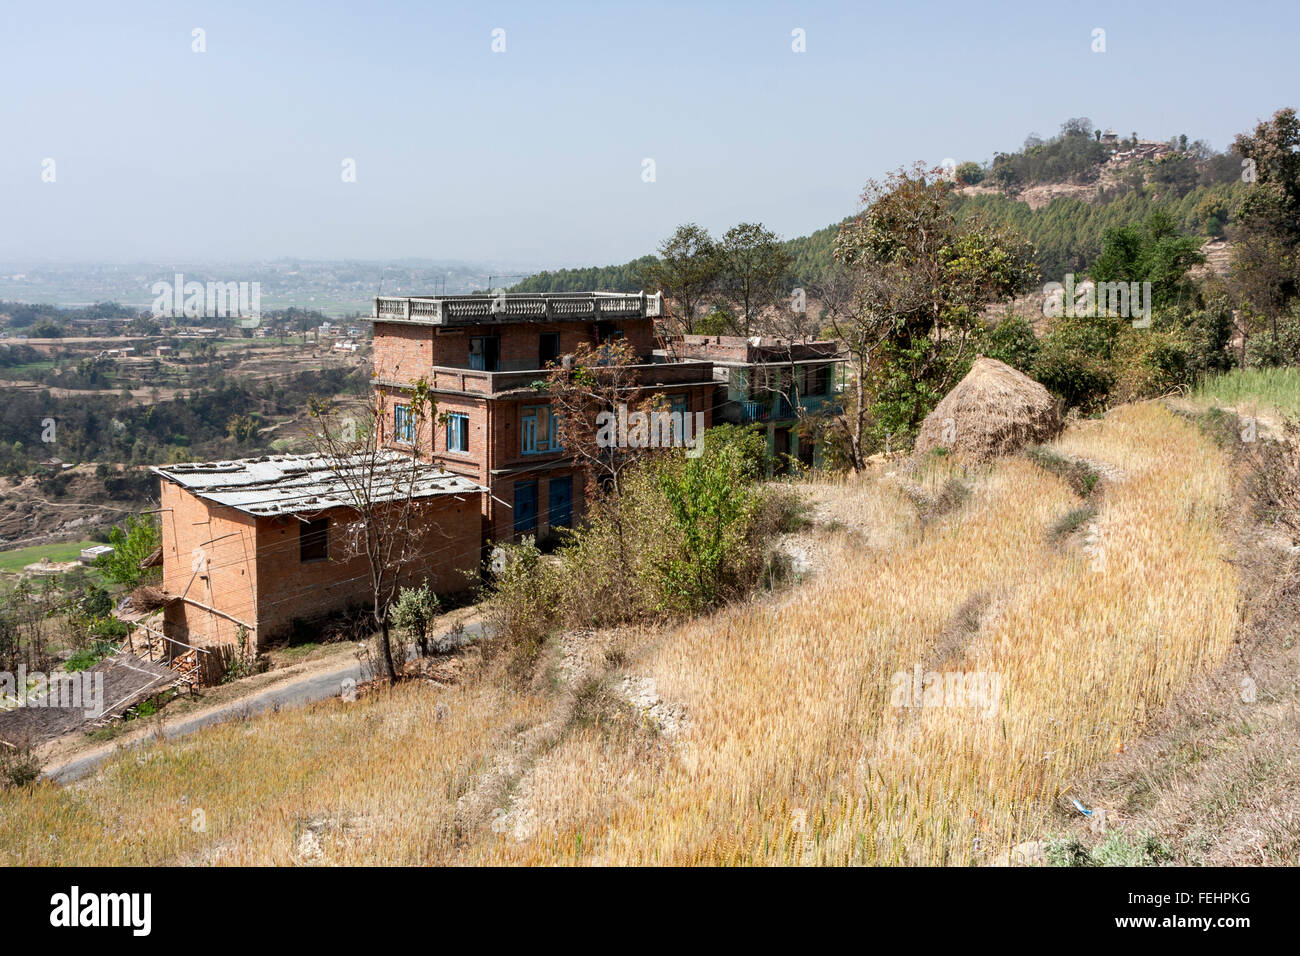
[(383, 487), (850, 316), (591, 389)]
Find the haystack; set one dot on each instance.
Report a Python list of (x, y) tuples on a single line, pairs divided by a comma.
[(993, 411)]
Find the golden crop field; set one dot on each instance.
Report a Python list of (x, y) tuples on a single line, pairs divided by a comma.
[(791, 748)]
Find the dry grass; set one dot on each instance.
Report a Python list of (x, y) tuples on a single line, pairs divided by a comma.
[(790, 750), (375, 781), (794, 754)]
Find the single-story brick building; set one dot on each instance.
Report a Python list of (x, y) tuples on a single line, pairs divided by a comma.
[(261, 543)]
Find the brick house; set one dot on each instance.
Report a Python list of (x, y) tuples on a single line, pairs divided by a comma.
[(263, 543), (483, 357), (768, 383)]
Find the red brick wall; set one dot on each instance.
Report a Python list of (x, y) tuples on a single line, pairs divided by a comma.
[(445, 546), (226, 576), (255, 576), (495, 443), (402, 352), (405, 352)]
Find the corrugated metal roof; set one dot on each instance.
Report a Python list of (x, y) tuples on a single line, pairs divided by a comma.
[(296, 484)]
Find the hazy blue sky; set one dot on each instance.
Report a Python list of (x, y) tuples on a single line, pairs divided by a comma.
[(534, 155)]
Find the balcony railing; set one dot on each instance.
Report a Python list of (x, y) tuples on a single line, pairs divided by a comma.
[(648, 376), (516, 307), (774, 407)]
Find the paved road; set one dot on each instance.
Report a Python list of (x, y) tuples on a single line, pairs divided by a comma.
[(294, 692)]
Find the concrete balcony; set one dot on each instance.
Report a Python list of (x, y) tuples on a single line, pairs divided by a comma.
[(651, 375)]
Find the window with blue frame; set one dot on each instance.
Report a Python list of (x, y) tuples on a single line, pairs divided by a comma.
[(537, 430), (681, 404), (403, 425), (457, 433)]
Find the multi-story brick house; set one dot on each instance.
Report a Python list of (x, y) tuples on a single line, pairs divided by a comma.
[(257, 544), (769, 383), (485, 358)]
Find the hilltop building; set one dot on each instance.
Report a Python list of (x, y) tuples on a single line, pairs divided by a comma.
[(255, 546), (485, 358)]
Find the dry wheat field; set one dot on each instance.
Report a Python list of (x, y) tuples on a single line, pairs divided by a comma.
[(767, 733)]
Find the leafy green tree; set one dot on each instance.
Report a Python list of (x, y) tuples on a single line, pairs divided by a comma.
[(1075, 360), (920, 280), (1153, 252), (1013, 341), (686, 271), (131, 545), (244, 428), (752, 269), (1266, 253)]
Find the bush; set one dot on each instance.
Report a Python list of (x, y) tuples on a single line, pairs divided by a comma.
[(1074, 360), (712, 504), (1145, 849), (685, 534), (1274, 477), (1149, 363), (90, 656), (1081, 478), (1080, 379), (1262, 351), (520, 608), (19, 766), (1013, 341), (241, 663), (414, 613)]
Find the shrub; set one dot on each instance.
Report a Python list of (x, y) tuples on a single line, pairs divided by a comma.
[(1013, 341), (1274, 478), (683, 535), (1081, 478), (414, 613), (1263, 351), (520, 604), (1075, 359), (1149, 363), (1144, 849), (89, 656), (241, 663), (1079, 378), (1072, 520), (712, 504), (19, 766)]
